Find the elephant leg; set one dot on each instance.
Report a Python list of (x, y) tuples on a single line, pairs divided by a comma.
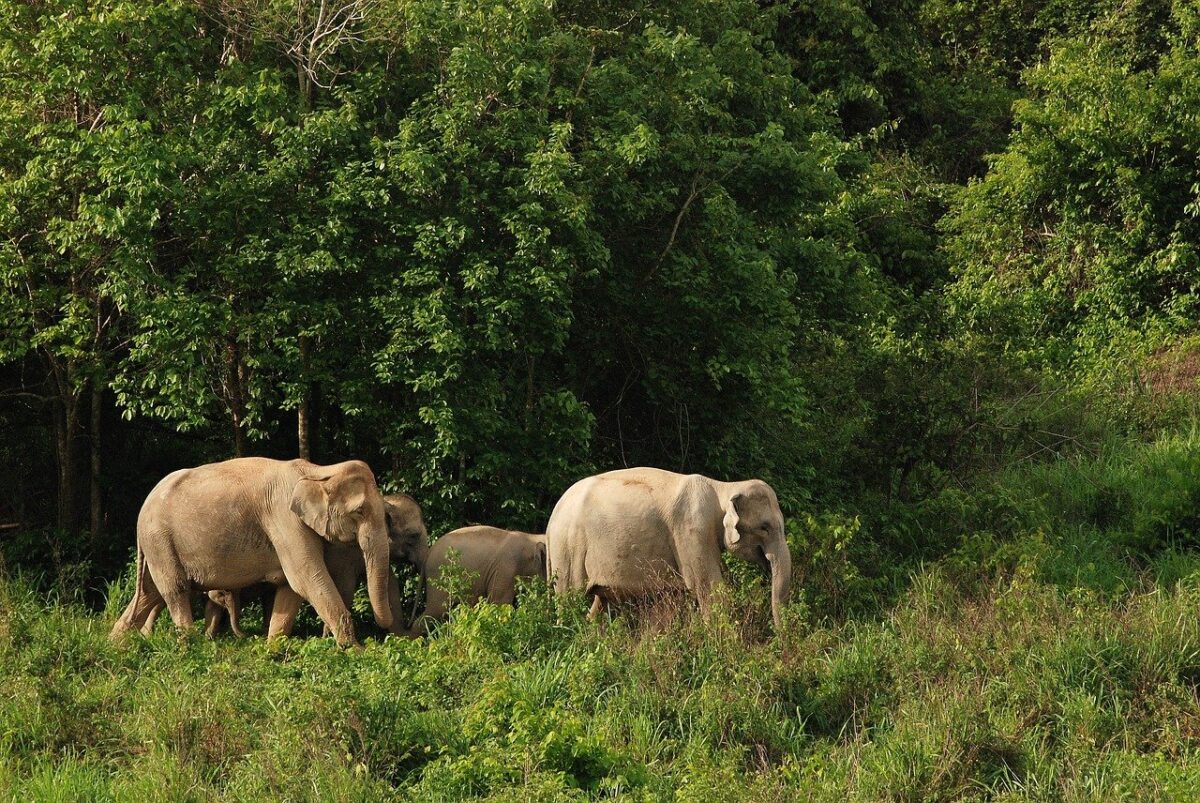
[(703, 593), (304, 567), (598, 606), (419, 626), (701, 574), (503, 591), (345, 579), (143, 609), (597, 612), (176, 590), (437, 603), (324, 597), (152, 617), (283, 612)]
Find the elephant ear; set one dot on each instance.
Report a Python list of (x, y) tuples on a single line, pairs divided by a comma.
[(732, 536), (395, 520), (310, 501), (539, 551)]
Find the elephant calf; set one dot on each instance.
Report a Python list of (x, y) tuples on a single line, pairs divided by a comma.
[(494, 559), (216, 605), (220, 604)]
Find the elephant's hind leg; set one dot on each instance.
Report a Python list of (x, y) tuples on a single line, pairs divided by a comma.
[(600, 607), (143, 609), (176, 591), (141, 613), (152, 618)]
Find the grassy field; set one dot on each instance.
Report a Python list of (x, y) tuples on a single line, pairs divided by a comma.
[(1052, 654)]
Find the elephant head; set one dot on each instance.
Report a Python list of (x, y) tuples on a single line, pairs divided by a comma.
[(342, 504), (753, 530), (532, 559), (409, 538), (406, 530)]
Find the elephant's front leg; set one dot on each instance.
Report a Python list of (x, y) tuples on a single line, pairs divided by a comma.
[(699, 565), (304, 567), (345, 571)]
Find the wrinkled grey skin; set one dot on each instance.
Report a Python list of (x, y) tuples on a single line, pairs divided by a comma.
[(408, 542), (640, 531), (493, 557), (229, 525)]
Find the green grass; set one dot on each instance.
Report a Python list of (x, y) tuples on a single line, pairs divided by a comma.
[(1055, 655)]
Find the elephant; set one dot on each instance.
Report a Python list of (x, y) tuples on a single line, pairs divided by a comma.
[(408, 541), (639, 531), (216, 606), (219, 603), (494, 557), (229, 525)]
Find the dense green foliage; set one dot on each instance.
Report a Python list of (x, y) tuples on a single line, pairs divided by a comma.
[(927, 266), (493, 248)]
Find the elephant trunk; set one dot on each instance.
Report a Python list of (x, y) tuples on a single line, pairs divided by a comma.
[(376, 554), (781, 581), (418, 601), (419, 558)]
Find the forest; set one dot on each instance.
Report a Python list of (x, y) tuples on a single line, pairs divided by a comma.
[(930, 268)]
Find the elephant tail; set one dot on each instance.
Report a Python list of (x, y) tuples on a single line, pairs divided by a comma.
[(125, 622)]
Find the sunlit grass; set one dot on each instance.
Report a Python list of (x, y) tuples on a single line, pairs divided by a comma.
[(1055, 658)]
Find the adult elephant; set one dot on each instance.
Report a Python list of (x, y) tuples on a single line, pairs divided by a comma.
[(494, 559), (408, 542), (638, 531), (232, 524)]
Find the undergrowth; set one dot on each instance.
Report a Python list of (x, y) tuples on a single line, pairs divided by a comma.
[(1054, 654)]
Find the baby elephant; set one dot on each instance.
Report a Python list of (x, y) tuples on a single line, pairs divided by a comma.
[(216, 605), (493, 558)]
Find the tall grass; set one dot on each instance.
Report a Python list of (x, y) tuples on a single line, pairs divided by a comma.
[(1009, 670)]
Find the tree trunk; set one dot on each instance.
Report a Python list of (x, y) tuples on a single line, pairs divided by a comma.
[(96, 500), (67, 453), (235, 376), (304, 410)]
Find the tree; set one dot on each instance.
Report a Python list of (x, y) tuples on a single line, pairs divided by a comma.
[(82, 99), (1077, 250)]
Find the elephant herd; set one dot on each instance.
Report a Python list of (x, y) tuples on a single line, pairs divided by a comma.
[(315, 533)]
